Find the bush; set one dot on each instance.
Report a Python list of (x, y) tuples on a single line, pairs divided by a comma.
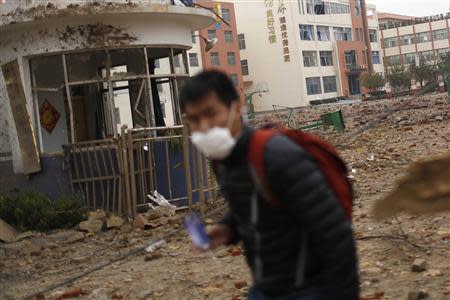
[(372, 82), (34, 211)]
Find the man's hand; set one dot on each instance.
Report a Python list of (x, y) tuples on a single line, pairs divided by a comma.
[(219, 235)]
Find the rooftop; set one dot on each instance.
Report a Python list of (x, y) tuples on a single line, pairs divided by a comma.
[(14, 13)]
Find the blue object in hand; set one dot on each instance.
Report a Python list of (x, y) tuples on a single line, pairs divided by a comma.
[(196, 230)]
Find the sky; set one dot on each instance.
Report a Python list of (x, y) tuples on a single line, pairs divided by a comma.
[(419, 8)]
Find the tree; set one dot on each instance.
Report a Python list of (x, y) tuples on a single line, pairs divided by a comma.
[(444, 63), (372, 82), (422, 72), (399, 77)]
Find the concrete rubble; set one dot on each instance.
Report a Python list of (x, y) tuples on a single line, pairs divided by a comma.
[(387, 249)]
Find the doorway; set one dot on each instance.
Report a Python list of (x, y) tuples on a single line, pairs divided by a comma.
[(353, 85)]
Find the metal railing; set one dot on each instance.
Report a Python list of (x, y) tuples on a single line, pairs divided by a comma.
[(117, 174)]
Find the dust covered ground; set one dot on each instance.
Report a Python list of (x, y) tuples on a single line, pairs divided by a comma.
[(420, 128)]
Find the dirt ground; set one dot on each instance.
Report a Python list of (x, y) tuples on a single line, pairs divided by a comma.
[(386, 249)]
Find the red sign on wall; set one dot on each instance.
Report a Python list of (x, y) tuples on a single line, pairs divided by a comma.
[(49, 116)]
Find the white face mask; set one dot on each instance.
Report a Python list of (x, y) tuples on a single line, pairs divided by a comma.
[(217, 142)]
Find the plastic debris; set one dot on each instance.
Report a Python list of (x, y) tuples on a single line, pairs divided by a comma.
[(154, 246), (162, 202)]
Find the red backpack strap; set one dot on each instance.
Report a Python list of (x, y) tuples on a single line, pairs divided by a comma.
[(258, 142), (331, 165)]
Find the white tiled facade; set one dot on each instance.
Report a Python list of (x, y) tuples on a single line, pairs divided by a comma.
[(287, 81)]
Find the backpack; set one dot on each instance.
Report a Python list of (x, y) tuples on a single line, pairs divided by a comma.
[(332, 166)]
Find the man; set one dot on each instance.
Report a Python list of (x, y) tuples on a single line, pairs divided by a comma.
[(302, 249)]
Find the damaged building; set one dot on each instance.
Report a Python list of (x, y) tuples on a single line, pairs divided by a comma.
[(81, 87)]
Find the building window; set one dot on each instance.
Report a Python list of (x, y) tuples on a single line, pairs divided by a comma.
[(329, 84), (310, 58), (441, 34), (194, 38), (157, 64), (244, 66), (323, 33), (193, 60), (423, 37), (373, 36), (313, 86), (350, 59), (231, 57), (442, 53), (393, 60), (212, 34), (234, 78), (176, 61), (215, 58), (241, 40), (390, 42), (306, 32), (406, 39), (426, 56), (376, 57), (319, 7), (226, 14), (228, 37), (326, 58), (342, 34), (409, 58)]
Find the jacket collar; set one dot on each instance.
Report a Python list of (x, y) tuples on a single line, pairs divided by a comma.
[(240, 150)]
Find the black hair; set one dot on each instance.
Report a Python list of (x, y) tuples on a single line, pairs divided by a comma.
[(199, 86)]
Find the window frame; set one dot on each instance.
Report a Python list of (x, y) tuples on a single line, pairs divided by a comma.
[(303, 30), (325, 60), (197, 62), (213, 56), (231, 55), (228, 19), (241, 41), (319, 33), (309, 58), (327, 84), (228, 36), (310, 90), (244, 67)]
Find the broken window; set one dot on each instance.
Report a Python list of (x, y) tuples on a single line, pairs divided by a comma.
[(180, 62), (51, 107), (91, 95), (158, 60), (85, 66)]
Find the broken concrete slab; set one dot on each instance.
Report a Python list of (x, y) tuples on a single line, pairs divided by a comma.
[(75, 237), (114, 222), (7, 232), (99, 294), (126, 228), (141, 222), (97, 215), (91, 226), (30, 248), (419, 265), (24, 235)]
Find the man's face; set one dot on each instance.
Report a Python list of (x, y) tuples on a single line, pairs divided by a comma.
[(210, 112)]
